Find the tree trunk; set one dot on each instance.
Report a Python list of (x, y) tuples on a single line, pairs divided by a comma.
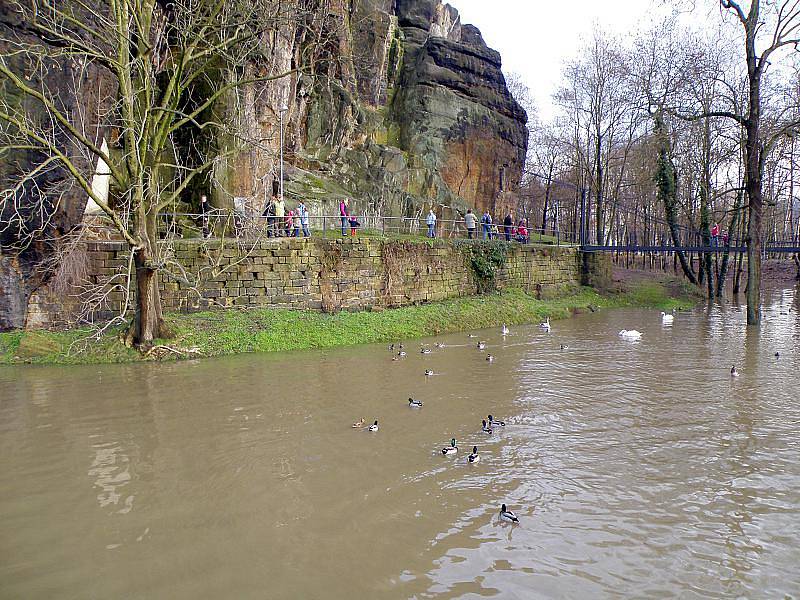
[(599, 204), (732, 232), (148, 321), (755, 204)]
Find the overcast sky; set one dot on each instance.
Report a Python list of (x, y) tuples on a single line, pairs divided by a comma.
[(534, 37)]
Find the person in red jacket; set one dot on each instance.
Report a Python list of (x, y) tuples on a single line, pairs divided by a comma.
[(522, 232)]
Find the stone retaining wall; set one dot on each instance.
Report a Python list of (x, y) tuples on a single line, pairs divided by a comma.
[(348, 274)]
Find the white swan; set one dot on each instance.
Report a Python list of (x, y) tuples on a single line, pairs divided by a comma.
[(630, 334), (545, 325), (667, 319)]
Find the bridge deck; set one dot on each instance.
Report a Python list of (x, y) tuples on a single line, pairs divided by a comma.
[(704, 249)]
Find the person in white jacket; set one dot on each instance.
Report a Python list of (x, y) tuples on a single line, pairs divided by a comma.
[(431, 221)]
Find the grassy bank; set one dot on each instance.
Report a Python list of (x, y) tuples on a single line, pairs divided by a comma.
[(269, 330)]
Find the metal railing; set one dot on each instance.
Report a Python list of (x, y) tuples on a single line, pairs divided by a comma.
[(219, 223)]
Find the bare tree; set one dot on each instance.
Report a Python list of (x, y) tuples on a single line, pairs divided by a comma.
[(171, 74), (767, 27)]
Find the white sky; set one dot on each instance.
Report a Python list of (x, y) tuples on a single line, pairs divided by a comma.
[(534, 37)]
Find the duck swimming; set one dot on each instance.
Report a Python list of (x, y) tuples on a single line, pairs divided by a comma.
[(489, 358), (401, 353), (451, 449), (492, 422), (507, 515), (486, 428), (439, 345), (474, 457), (425, 351), (504, 330), (734, 372), (777, 355), (481, 345), (359, 424), (374, 427), (428, 372), (414, 403)]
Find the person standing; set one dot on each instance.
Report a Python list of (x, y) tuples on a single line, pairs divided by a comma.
[(296, 223), (280, 214), (345, 215), (715, 235), (269, 213), (486, 225), (304, 218), (431, 222), (508, 225), (522, 231), (470, 220), (205, 208)]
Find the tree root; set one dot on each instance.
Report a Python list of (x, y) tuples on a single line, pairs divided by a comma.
[(160, 352)]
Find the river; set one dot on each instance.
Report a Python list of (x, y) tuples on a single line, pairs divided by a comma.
[(637, 469)]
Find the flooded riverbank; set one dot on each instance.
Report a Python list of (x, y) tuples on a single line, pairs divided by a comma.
[(637, 469)]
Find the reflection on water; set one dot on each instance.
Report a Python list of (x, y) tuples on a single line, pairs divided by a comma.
[(638, 469)]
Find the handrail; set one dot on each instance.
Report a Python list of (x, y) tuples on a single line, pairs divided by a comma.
[(236, 223)]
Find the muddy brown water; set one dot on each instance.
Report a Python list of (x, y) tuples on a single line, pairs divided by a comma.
[(636, 469)]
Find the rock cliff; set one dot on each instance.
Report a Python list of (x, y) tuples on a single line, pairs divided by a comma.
[(393, 103)]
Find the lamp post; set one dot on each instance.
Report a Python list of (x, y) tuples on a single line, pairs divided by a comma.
[(282, 110)]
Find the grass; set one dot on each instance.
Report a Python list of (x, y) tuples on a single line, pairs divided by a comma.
[(271, 330)]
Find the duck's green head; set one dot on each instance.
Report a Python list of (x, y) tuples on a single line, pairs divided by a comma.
[(453, 442)]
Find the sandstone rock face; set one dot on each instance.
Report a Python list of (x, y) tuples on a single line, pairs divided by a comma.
[(43, 209), (458, 120), (435, 126)]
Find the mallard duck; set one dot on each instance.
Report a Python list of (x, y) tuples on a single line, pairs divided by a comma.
[(428, 372), (414, 403), (451, 449), (359, 424), (439, 345), (493, 422), (481, 345), (667, 319), (504, 330), (507, 515), (471, 335), (734, 372), (777, 355), (401, 353), (424, 350), (630, 334), (486, 428), (474, 457), (545, 325), (374, 426), (489, 358), (391, 347), (564, 347)]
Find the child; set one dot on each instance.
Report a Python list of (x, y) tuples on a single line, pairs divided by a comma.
[(287, 224), (296, 223), (354, 224)]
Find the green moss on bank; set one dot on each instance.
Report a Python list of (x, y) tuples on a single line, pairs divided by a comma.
[(269, 330)]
